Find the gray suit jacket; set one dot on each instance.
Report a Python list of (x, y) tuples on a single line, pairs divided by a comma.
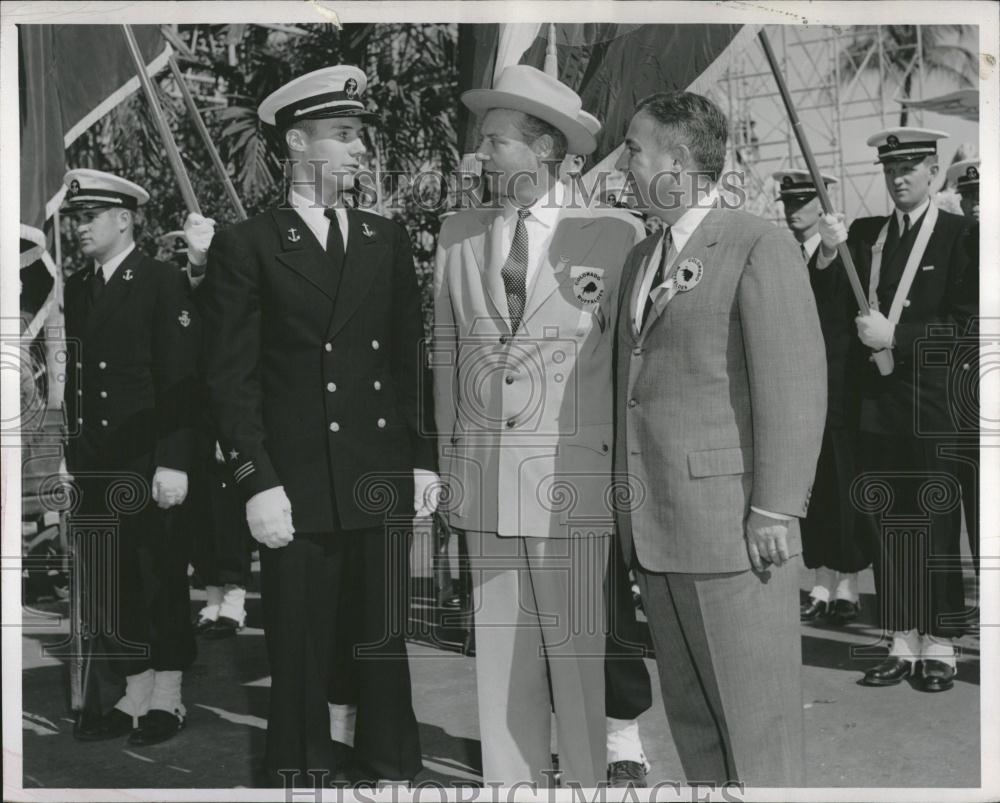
[(720, 400)]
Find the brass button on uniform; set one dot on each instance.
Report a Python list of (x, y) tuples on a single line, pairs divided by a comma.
[(377, 385), (381, 423), (104, 422), (331, 386), (375, 345), (104, 394), (334, 426), (102, 365), (328, 346)]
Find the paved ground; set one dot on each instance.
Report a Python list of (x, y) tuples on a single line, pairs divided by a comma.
[(856, 736)]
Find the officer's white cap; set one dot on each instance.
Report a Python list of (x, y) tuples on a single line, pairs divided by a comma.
[(93, 189), (329, 92), (908, 142)]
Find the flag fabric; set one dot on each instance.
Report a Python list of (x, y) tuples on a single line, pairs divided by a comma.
[(611, 66), (963, 103)]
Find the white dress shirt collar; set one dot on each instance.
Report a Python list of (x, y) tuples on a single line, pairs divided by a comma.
[(811, 245), (313, 216), (914, 214), (545, 210), (682, 230), (539, 226), (112, 264)]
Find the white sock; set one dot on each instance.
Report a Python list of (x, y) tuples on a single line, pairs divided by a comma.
[(624, 742), (138, 691), (847, 587), (233, 603), (342, 718), (167, 693), (826, 579), (213, 599), (938, 649), (906, 645)]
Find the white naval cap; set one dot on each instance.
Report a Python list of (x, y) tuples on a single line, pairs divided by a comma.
[(94, 189), (964, 175), (905, 143), (799, 182), (328, 92)]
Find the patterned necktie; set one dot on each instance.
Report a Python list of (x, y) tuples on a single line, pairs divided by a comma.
[(660, 275), (515, 271), (97, 284)]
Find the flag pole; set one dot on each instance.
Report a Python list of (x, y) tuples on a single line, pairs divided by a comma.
[(213, 152), (883, 359), (173, 154)]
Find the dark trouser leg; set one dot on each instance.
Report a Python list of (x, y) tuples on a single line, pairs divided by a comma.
[(627, 688)]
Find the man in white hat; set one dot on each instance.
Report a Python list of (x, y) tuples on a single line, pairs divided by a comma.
[(522, 378), (831, 543), (915, 270), (130, 448), (313, 327)]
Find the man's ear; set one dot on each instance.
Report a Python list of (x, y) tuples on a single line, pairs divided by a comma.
[(295, 139), (681, 155), (933, 166), (542, 146), (125, 219)]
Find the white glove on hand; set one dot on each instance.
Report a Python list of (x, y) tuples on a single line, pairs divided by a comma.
[(170, 487), (875, 330), (832, 231), (269, 515), (426, 492), (198, 231)]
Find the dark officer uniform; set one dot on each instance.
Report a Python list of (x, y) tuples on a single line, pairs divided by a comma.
[(128, 407), (313, 363), (910, 494)]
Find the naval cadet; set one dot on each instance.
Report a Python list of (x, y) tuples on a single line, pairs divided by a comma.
[(914, 266), (312, 349), (831, 542), (130, 450)]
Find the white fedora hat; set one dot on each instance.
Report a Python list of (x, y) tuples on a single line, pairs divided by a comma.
[(529, 90)]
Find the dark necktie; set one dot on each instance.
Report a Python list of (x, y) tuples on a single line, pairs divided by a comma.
[(515, 271), (97, 285), (660, 275), (805, 254), (334, 237), (906, 226)]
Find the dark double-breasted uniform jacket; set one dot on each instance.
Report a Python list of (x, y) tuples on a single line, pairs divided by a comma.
[(128, 390), (916, 396), (313, 369)]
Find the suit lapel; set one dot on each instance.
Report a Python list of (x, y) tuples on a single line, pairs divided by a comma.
[(571, 243), (702, 238), (116, 294), (493, 256), (631, 284), (365, 250), (302, 253)]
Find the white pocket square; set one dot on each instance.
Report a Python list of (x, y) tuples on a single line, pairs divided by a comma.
[(927, 267)]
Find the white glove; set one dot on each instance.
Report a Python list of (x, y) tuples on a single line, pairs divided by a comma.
[(170, 486), (64, 475), (198, 231), (269, 515), (832, 231), (875, 330), (426, 492)]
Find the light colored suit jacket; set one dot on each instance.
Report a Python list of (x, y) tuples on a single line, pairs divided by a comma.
[(524, 419), (720, 401)]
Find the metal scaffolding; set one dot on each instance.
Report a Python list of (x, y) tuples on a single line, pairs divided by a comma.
[(836, 76)]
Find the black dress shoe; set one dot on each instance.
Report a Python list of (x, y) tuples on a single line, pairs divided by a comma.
[(813, 611), (223, 627), (112, 725), (890, 672), (937, 675), (843, 611), (202, 625), (622, 774), (155, 727)]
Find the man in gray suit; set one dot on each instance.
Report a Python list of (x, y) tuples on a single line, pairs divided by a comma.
[(720, 400)]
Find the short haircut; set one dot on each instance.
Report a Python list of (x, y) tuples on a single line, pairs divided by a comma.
[(696, 122), (532, 128), (308, 125)]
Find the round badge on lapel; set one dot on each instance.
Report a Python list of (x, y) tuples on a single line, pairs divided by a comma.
[(589, 287), (688, 274)]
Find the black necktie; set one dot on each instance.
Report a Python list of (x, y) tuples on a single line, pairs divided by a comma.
[(97, 284), (515, 271), (660, 275), (906, 225), (805, 254), (334, 237)]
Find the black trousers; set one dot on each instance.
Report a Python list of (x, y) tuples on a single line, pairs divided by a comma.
[(627, 688), (335, 607), (133, 572), (831, 535), (911, 499), (215, 515)]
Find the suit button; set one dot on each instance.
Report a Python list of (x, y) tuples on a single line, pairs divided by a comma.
[(331, 386), (104, 422), (633, 403), (510, 423), (334, 426), (377, 385), (906, 302), (965, 366), (328, 346), (509, 380), (104, 394), (375, 345), (102, 365), (79, 393), (503, 340), (79, 366), (79, 421), (604, 448), (381, 423)]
